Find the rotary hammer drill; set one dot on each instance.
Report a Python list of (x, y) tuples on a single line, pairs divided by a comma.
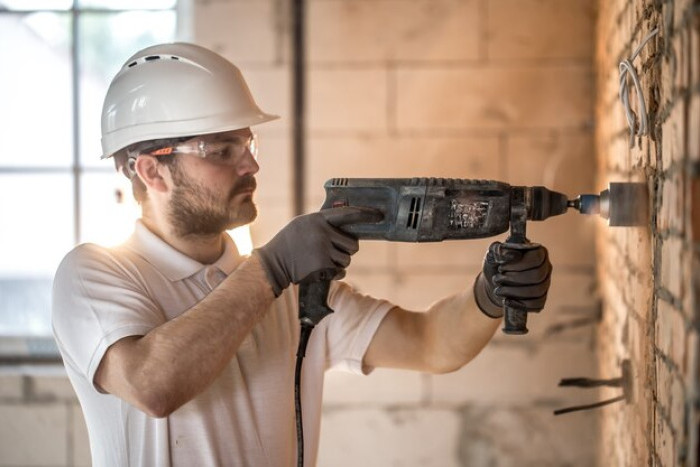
[(437, 209)]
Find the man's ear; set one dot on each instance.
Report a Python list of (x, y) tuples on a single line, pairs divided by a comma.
[(150, 172)]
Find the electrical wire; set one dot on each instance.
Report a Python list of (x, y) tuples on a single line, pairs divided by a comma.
[(627, 68), (304, 334)]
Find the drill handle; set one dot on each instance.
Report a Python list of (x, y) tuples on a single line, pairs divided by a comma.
[(313, 296)]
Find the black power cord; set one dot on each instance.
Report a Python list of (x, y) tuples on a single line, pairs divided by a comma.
[(304, 334)]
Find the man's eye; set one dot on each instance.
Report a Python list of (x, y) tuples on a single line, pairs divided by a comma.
[(221, 155)]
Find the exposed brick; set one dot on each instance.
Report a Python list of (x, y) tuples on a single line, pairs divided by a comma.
[(671, 335), (663, 442), (494, 97), (241, 31), (672, 258), (672, 209), (673, 130), (381, 30), (543, 29), (30, 425), (347, 100), (694, 128)]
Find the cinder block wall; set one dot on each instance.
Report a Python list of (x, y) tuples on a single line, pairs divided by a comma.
[(648, 276), (499, 89)]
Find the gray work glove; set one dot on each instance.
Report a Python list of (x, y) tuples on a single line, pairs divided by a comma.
[(517, 272), (312, 243)]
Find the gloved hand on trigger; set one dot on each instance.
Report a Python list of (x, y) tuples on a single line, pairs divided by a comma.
[(516, 272), (311, 243)]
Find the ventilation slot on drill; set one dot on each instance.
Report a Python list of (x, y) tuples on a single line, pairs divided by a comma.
[(413, 214), (339, 182)]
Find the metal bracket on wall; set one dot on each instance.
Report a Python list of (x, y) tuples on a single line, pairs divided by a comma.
[(624, 381)]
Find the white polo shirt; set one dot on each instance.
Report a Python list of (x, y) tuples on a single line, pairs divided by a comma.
[(246, 417)]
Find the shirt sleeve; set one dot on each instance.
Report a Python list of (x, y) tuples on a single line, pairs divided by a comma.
[(96, 302), (352, 326)]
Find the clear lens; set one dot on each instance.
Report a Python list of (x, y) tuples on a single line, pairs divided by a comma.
[(228, 152)]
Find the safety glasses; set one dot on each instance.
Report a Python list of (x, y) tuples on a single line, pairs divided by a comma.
[(229, 150)]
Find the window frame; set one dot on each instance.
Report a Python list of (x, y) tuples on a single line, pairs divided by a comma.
[(22, 349)]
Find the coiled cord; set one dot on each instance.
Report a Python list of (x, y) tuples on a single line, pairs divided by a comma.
[(627, 68)]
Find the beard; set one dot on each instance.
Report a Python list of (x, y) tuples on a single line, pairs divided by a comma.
[(195, 210)]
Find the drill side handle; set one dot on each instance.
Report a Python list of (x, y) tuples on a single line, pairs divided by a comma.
[(514, 314)]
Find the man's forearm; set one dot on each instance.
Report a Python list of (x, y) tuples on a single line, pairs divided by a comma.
[(174, 362), (458, 332)]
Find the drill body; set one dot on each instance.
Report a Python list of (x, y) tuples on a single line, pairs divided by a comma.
[(433, 210), (437, 209)]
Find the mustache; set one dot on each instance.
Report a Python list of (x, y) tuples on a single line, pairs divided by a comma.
[(245, 183)]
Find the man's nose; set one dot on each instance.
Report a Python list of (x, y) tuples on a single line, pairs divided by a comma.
[(248, 165)]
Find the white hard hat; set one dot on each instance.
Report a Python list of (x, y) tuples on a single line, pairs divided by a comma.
[(175, 90)]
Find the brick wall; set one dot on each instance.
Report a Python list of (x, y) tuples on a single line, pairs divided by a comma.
[(646, 274), (500, 89)]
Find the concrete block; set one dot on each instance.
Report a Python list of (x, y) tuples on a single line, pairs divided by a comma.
[(272, 89), (376, 284), (568, 238), (80, 441), (393, 30), (11, 386), (240, 31), (381, 388), (507, 374), (563, 162), (400, 157), (52, 387), (33, 435), (374, 256), (517, 436), (347, 100), (536, 29), (273, 216), (442, 256), (420, 289), (407, 437), (492, 97), (275, 176)]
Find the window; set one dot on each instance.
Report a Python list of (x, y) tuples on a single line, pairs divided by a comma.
[(57, 58)]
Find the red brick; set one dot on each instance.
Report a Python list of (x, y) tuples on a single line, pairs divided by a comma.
[(672, 209), (672, 258)]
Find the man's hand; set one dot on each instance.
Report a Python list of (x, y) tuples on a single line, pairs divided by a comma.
[(311, 243), (518, 272)]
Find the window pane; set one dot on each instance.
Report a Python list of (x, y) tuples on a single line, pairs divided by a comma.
[(25, 5), (36, 90), (108, 209), (107, 40), (126, 4), (36, 231)]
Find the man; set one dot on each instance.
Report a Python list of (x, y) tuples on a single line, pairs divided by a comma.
[(180, 350)]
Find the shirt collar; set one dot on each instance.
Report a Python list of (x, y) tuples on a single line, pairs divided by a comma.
[(172, 263)]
